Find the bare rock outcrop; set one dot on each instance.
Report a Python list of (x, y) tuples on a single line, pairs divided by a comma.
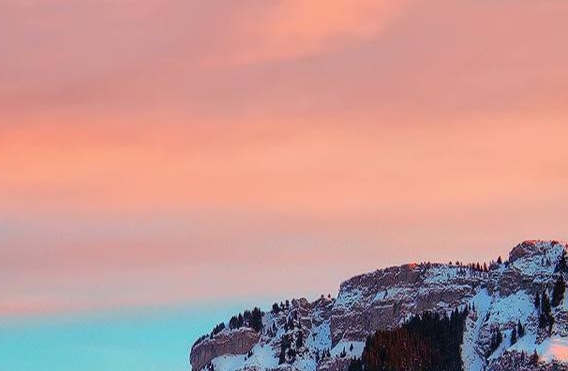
[(386, 298), (240, 341), (325, 334)]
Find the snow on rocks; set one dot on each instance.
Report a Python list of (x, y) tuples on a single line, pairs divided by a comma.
[(333, 331)]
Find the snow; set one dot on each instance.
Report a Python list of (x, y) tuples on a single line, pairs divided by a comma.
[(320, 337), (554, 348), (472, 359), (347, 298), (228, 362), (490, 311), (511, 309), (543, 261), (358, 347)]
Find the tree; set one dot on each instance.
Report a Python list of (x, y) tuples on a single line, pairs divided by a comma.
[(514, 336), (499, 260), (545, 304), (355, 365), (300, 340), (558, 291), (255, 319), (520, 329), (561, 266), (534, 358), (537, 301), (496, 339), (217, 329), (427, 342), (275, 308)]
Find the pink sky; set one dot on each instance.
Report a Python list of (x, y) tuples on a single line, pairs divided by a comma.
[(159, 152)]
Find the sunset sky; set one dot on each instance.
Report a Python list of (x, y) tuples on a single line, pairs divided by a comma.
[(171, 162)]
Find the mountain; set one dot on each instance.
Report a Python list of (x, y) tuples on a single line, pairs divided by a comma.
[(509, 315)]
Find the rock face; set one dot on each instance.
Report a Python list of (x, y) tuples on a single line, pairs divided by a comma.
[(325, 334), (386, 298), (240, 341)]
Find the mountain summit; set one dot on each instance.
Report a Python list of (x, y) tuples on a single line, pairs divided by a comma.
[(502, 316)]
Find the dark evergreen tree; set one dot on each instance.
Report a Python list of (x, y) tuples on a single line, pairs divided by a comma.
[(285, 344), (514, 336), (275, 308), (496, 339), (561, 266), (355, 365), (534, 358), (520, 329), (300, 340), (558, 291), (429, 342), (537, 301), (545, 319), (255, 319), (217, 329)]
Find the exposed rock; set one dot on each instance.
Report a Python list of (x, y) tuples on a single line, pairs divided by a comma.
[(240, 341), (386, 298), (325, 334)]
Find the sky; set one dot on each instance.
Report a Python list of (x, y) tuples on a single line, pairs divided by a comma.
[(161, 157)]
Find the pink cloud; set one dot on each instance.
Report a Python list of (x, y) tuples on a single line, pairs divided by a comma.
[(145, 145)]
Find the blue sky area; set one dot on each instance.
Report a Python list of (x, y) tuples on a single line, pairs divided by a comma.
[(129, 340)]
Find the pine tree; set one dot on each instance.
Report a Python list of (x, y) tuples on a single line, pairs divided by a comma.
[(300, 340), (355, 365), (255, 319), (520, 329), (558, 291), (499, 260), (545, 304), (537, 301), (534, 358), (514, 336), (275, 308), (562, 266)]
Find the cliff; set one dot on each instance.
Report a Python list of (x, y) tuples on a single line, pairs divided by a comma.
[(325, 334)]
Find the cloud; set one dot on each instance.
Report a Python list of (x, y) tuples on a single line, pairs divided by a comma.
[(143, 143), (269, 31)]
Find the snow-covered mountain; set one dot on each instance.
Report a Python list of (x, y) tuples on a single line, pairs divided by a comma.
[(506, 323)]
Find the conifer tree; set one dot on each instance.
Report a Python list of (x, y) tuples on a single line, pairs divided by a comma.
[(558, 291), (520, 329), (561, 266), (514, 336), (534, 358), (255, 319)]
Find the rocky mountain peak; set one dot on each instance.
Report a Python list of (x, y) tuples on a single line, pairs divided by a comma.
[(325, 334), (532, 248)]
